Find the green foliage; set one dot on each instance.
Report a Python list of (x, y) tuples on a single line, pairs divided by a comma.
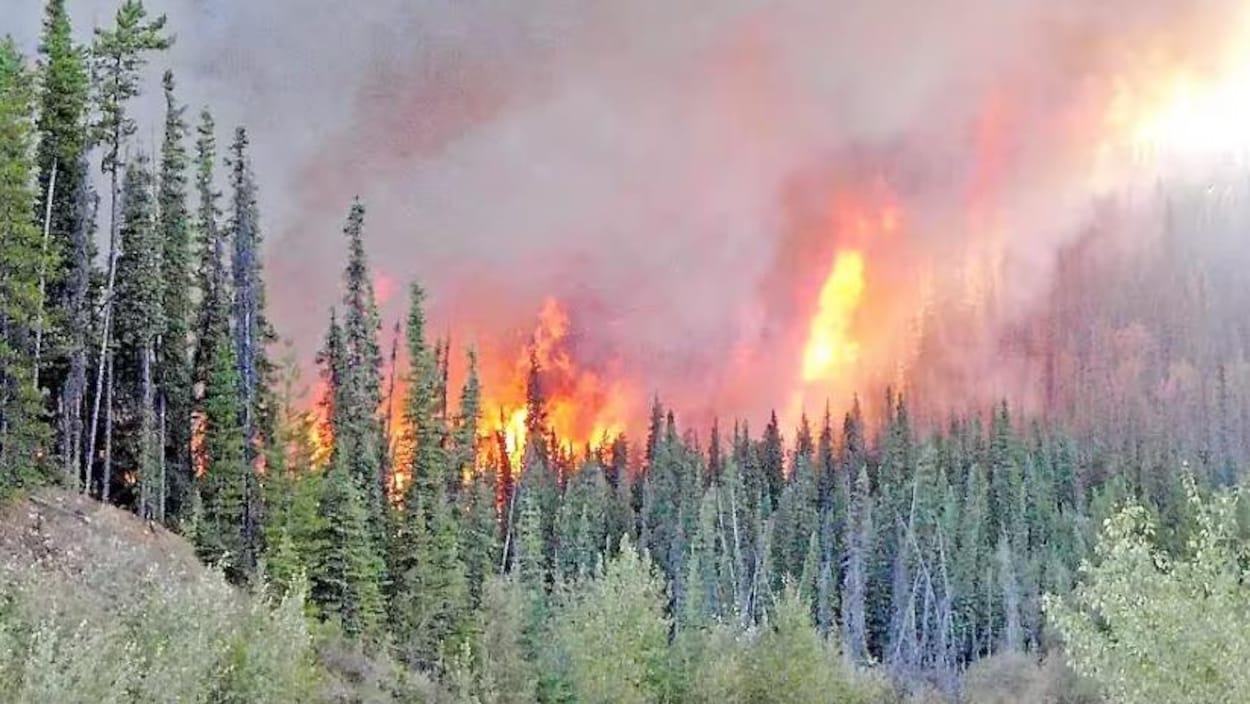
[(786, 661), (358, 431), (173, 372), (345, 572), (1152, 627), (501, 672), (119, 54), (22, 433), (614, 634), (175, 638), (228, 486)]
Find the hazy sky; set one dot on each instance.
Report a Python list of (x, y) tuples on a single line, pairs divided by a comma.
[(635, 158)]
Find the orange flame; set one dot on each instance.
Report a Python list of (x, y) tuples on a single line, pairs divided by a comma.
[(584, 408), (831, 347)]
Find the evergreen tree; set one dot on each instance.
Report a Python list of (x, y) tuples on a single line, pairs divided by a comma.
[(140, 324), (173, 371), (212, 286), (465, 434), (429, 593), (479, 535), (345, 572), (62, 191), (358, 434), (772, 459), (119, 55), (581, 522), (252, 333), (22, 433), (227, 487), (855, 577)]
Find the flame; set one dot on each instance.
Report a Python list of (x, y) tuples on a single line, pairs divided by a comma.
[(584, 408), (830, 345), (319, 435)]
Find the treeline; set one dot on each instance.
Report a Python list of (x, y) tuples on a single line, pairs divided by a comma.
[(730, 566)]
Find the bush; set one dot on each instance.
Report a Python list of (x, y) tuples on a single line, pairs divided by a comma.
[(613, 634), (1008, 678), (785, 661), (164, 638), (1149, 627)]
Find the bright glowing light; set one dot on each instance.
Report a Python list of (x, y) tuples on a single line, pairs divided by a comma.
[(831, 348), (1183, 108), (583, 407)]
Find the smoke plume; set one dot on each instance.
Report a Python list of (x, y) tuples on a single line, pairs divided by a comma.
[(673, 173)]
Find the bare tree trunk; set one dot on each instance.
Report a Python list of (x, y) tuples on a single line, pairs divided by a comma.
[(43, 271), (108, 434), (507, 541), (147, 435), (74, 392), (106, 357), (162, 489)]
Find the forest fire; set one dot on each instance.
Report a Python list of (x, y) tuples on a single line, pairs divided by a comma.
[(916, 255), (584, 408)]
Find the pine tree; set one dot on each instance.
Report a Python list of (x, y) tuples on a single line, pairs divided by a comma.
[(61, 209), (140, 324), (358, 436), (119, 55), (429, 593), (227, 487), (345, 572), (252, 332), (22, 434), (173, 371)]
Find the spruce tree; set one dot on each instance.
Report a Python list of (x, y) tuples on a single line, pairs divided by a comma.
[(62, 192), (252, 332), (22, 433), (140, 324), (227, 487), (429, 594), (345, 572), (119, 55), (211, 284), (479, 534), (465, 435), (358, 435), (173, 371)]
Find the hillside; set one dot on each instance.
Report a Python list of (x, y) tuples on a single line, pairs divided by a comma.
[(64, 536), (99, 606)]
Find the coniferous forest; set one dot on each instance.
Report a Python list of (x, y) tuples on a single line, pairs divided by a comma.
[(377, 549)]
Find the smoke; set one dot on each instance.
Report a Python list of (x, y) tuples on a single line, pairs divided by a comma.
[(665, 169)]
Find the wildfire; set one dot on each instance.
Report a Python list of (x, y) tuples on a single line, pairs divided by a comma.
[(583, 407), (1186, 103), (830, 345), (859, 221)]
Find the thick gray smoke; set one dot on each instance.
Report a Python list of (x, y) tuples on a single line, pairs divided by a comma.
[(635, 159)]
